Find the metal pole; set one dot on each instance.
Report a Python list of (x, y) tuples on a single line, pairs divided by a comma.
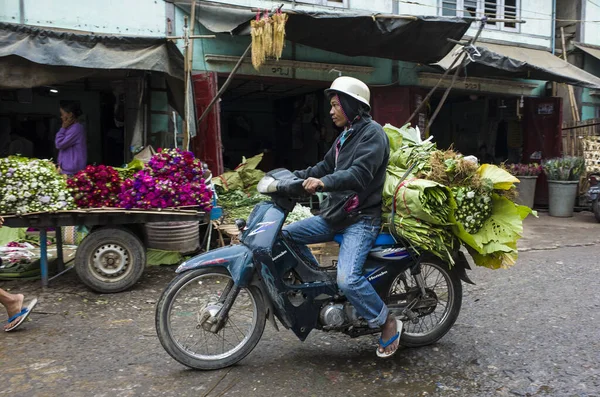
[(44, 256), (227, 82)]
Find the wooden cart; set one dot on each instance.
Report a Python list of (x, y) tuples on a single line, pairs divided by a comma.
[(112, 257)]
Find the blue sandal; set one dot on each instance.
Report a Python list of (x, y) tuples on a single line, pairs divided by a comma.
[(385, 344), (22, 315)]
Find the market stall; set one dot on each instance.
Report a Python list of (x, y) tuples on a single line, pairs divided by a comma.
[(116, 205), (112, 257)]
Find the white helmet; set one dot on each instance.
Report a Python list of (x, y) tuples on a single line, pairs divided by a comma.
[(351, 87)]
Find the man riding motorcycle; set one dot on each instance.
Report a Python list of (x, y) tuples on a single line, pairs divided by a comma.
[(353, 173)]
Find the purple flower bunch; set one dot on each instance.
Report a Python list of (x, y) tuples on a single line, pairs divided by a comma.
[(172, 178), (533, 169)]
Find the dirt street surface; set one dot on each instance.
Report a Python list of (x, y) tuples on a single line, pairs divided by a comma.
[(532, 330)]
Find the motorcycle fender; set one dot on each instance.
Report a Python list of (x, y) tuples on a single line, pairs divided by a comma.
[(268, 303), (461, 265), (237, 259)]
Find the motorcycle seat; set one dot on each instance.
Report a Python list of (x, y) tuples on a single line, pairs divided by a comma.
[(382, 240)]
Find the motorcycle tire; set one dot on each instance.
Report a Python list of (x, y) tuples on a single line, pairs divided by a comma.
[(454, 286), (193, 360)]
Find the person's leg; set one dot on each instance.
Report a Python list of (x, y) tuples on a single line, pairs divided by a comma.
[(358, 241), (13, 304), (309, 231)]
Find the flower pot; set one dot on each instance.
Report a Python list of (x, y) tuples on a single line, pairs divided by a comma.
[(562, 197), (526, 190)]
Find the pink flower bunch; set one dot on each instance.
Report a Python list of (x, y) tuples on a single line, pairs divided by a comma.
[(533, 169), (96, 186), (172, 178)]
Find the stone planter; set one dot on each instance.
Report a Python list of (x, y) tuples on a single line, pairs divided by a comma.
[(526, 190), (562, 196)]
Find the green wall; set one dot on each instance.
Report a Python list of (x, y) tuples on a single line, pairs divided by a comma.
[(590, 65)]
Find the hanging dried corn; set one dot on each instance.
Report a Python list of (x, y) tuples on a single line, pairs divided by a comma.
[(267, 36), (279, 20), (256, 31)]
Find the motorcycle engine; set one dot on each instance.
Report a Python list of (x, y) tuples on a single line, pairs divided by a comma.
[(336, 315)]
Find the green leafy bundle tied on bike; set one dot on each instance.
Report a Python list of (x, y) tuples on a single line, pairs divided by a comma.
[(425, 237), (426, 200)]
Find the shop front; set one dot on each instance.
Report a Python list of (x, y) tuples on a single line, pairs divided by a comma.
[(126, 87)]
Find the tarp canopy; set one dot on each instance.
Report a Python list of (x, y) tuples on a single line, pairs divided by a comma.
[(33, 56), (526, 63), (591, 50), (405, 38)]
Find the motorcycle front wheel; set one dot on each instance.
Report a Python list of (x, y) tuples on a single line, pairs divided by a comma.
[(183, 308), (437, 311)]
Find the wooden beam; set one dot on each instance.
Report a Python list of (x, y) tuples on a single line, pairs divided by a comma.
[(574, 109), (186, 82)]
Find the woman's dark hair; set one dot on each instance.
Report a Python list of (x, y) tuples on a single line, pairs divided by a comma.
[(71, 107)]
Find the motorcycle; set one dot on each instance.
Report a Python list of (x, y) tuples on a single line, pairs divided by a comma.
[(213, 313), (593, 195)]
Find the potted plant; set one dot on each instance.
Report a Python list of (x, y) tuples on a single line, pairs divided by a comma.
[(527, 174), (563, 177)]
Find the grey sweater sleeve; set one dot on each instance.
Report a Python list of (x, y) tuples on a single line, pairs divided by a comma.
[(324, 167), (362, 171)]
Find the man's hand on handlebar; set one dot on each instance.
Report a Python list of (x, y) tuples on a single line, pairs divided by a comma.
[(312, 185)]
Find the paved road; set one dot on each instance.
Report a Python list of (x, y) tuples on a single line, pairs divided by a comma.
[(529, 331)]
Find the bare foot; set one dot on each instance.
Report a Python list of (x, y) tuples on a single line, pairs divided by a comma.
[(388, 331), (13, 307)]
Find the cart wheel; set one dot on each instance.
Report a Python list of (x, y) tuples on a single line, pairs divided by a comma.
[(110, 260)]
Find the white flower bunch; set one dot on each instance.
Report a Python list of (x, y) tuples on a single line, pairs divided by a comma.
[(31, 185)]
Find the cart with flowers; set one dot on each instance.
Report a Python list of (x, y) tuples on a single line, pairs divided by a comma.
[(114, 204), (112, 257)]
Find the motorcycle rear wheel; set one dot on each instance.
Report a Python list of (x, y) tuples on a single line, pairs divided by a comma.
[(178, 320), (446, 287)]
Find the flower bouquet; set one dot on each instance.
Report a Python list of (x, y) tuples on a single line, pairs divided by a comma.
[(96, 186), (533, 169), (172, 178), (31, 185)]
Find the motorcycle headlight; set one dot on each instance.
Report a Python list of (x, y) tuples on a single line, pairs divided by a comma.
[(267, 185)]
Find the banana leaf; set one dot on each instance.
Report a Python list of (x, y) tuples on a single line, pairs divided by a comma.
[(392, 180), (404, 135), (501, 179), (502, 229), (394, 136), (229, 181), (251, 177), (413, 195), (498, 260), (244, 177), (249, 164)]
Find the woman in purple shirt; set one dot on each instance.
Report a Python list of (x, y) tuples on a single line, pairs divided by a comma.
[(71, 140)]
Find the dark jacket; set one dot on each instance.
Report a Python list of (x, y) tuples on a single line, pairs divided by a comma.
[(360, 172)]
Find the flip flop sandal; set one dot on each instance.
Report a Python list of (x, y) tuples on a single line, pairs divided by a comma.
[(22, 315), (389, 342)]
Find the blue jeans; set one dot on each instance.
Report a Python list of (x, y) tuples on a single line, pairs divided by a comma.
[(358, 241)]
